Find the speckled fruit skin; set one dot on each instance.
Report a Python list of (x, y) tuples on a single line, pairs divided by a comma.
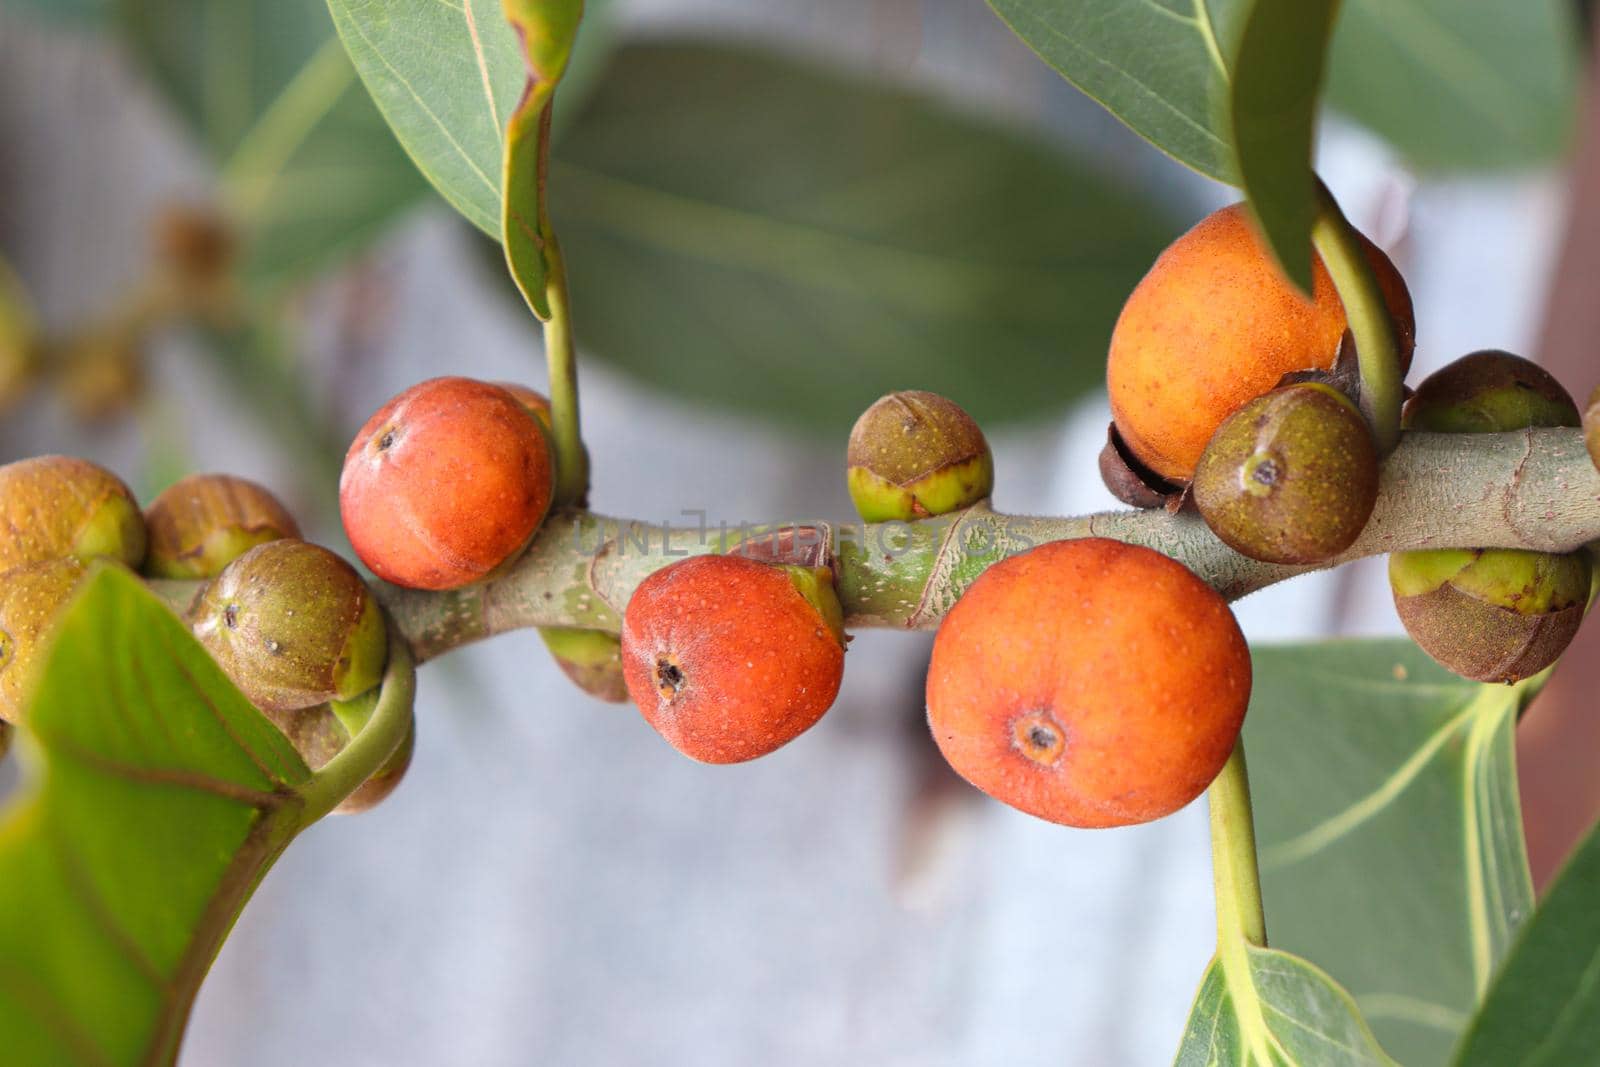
[(1214, 324), (1090, 683), (447, 482), (57, 506), (1291, 477), (1489, 392), (915, 454), (727, 659), (204, 522), (31, 599), (292, 625)]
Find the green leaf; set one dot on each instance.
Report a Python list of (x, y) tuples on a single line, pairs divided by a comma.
[(155, 801), (310, 172), (1283, 1011), (158, 799), (447, 77), (1276, 81), (1390, 833), (1460, 86), (1161, 66), (787, 241), (1544, 1007), (545, 30)]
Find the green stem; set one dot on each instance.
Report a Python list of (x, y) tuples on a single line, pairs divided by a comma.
[(377, 741), (1377, 349), (1240, 919), (572, 462)]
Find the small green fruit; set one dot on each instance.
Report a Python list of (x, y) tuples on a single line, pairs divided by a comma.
[(57, 506), (206, 521), (1591, 426), (1489, 392), (31, 599), (293, 625), (1291, 477), (915, 454), (592, 659), (1492, 615), (320, 733)]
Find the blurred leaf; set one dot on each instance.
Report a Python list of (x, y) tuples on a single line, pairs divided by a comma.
[(1276, 82), (265, 373), (1287, 1013), (1460, 86), (159, 799), (545, 31), (89, 11), (791, 242), (1451, 85), (309, 169), (1161, 66), (447, 77), (1391, 838), (1544, 1007)]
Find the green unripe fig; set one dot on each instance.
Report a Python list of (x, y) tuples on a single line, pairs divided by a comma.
[(1290, 477), (1489, 392), (57, 506), (206, 521), (1591, 426), (1492, 615), (915, 454), (320, 733), (31, 599), (293, 625), (592, 659)]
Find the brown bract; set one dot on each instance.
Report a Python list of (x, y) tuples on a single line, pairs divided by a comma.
[(1212, 325), (727, 659), (447, 482), (1089, 682), (204, 522)]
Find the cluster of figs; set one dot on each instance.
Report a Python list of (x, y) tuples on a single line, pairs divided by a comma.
[(1088, 681)]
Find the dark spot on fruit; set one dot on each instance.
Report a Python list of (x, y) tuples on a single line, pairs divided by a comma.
[(230, 616), (669, 678), (1267, 472)]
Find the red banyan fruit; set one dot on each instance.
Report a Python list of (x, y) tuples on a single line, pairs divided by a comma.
[(729, 658), (1215, 324), (445, 484), (1089, 682)]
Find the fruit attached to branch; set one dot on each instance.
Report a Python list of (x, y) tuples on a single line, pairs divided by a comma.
[(730, 659), (1291, 477), (1492, 615), (206, 521), (445, 484), (52, 507), (915, 454), (1089, 682), (1213, 325), (293, 625)]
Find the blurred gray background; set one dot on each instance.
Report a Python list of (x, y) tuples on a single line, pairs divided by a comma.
[(552, 884)]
